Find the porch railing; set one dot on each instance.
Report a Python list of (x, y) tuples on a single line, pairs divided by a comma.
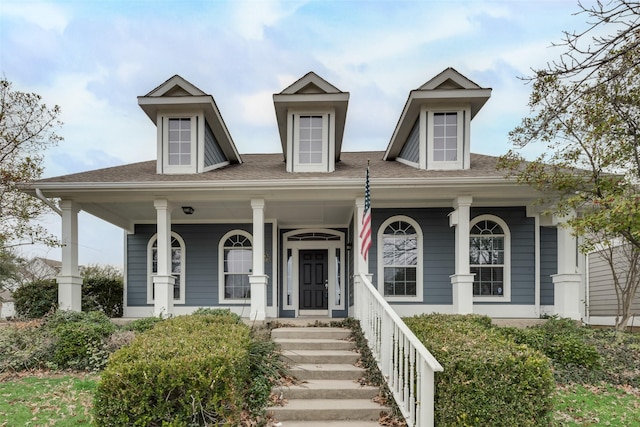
[(403, 360)]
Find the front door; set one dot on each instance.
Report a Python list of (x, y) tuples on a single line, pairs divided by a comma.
[(314, 279)]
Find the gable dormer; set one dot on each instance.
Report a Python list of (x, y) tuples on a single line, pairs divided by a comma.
[(434, 130), (192, 137), (311, 115)]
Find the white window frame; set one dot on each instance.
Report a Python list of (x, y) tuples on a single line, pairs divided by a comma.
[(419, 266), (328, 141), (196, 124), (506, 274), (427, 160), (221, 275), (150, 273)]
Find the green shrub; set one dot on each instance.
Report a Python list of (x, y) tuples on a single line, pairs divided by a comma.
[(188, 370), (487, 379), (103, 294), (142, 324), (225, 312), (79, 339), (34, 300), (562, 340)]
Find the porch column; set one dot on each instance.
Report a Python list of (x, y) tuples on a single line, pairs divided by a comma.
[(163, 281), (258, 279), (566, 283), (69, 280), (462, 280)]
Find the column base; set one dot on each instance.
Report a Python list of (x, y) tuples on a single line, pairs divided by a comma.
[(163, 295), (69, 293), (462, 288), (566, 288), (258, 296)]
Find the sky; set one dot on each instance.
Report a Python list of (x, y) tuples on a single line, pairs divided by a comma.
[(94, 57)]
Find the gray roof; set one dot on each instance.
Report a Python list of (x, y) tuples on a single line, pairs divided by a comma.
[(271, 167)]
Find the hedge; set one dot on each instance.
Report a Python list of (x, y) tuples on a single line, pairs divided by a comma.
[(188, 370), (488, 380)]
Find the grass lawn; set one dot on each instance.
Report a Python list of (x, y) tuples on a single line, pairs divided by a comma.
[(47, 399), (605, 405)]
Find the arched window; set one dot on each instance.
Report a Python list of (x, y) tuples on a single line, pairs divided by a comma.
[(236, 260), (400, 259), (177, 267), (489, 258)]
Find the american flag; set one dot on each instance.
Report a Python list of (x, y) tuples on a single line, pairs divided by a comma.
[(365, 233)]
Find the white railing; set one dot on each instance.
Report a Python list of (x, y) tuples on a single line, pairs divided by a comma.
[(404, 361)]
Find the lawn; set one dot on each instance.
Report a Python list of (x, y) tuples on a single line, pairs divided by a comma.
[(47, 399)]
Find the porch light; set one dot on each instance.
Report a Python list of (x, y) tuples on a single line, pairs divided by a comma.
[(188, 210)]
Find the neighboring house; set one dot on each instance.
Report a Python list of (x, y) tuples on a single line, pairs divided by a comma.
[(278, 235), (31, 271), (601, 302)]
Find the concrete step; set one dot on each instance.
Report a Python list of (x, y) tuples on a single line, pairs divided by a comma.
[(330, 424), (314, 333), (328, 409), (320, 356), (313, 344), (327, 389), (326, 371)]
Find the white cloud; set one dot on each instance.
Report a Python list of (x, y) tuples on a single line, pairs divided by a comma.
[(45, 15), (257, 109), (251, 17)]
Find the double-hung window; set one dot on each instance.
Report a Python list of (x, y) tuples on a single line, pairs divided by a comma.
[(179, 144), (311, 146), (489, 258), (444, 139), (400, 259)]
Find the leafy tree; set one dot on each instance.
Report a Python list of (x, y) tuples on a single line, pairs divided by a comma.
[(586, 109), (27, 127)]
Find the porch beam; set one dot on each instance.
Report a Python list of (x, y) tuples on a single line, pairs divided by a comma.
[(69, 280)]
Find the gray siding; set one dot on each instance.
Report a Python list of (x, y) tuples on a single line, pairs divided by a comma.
[(548, 263), (201, 273), (439, 250), (411, 149), (213, 154), (602, 294)]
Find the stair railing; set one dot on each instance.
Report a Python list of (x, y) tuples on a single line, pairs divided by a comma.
[(405, 363)]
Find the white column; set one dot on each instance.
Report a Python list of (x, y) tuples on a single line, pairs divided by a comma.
[(258, 279), (69, 280), (566, 284), (163, 280), (462, 280)]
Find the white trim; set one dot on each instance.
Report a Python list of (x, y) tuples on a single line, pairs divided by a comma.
[(330, 246), (221, 242), (183, 273), (506, 274), (196, 123), (461, 117), (419, 266)]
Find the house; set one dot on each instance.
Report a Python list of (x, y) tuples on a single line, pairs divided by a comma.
[(601, 303), (279, 235)]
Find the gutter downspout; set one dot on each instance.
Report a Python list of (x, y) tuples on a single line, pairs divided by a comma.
[(48, 202)]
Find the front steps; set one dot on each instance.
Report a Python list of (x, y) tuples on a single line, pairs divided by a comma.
[(328, 393)]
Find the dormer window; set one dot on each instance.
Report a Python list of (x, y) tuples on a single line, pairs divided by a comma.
[(311, 115), (179, 144), (192, 137), (433, 132), (312, 142)]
